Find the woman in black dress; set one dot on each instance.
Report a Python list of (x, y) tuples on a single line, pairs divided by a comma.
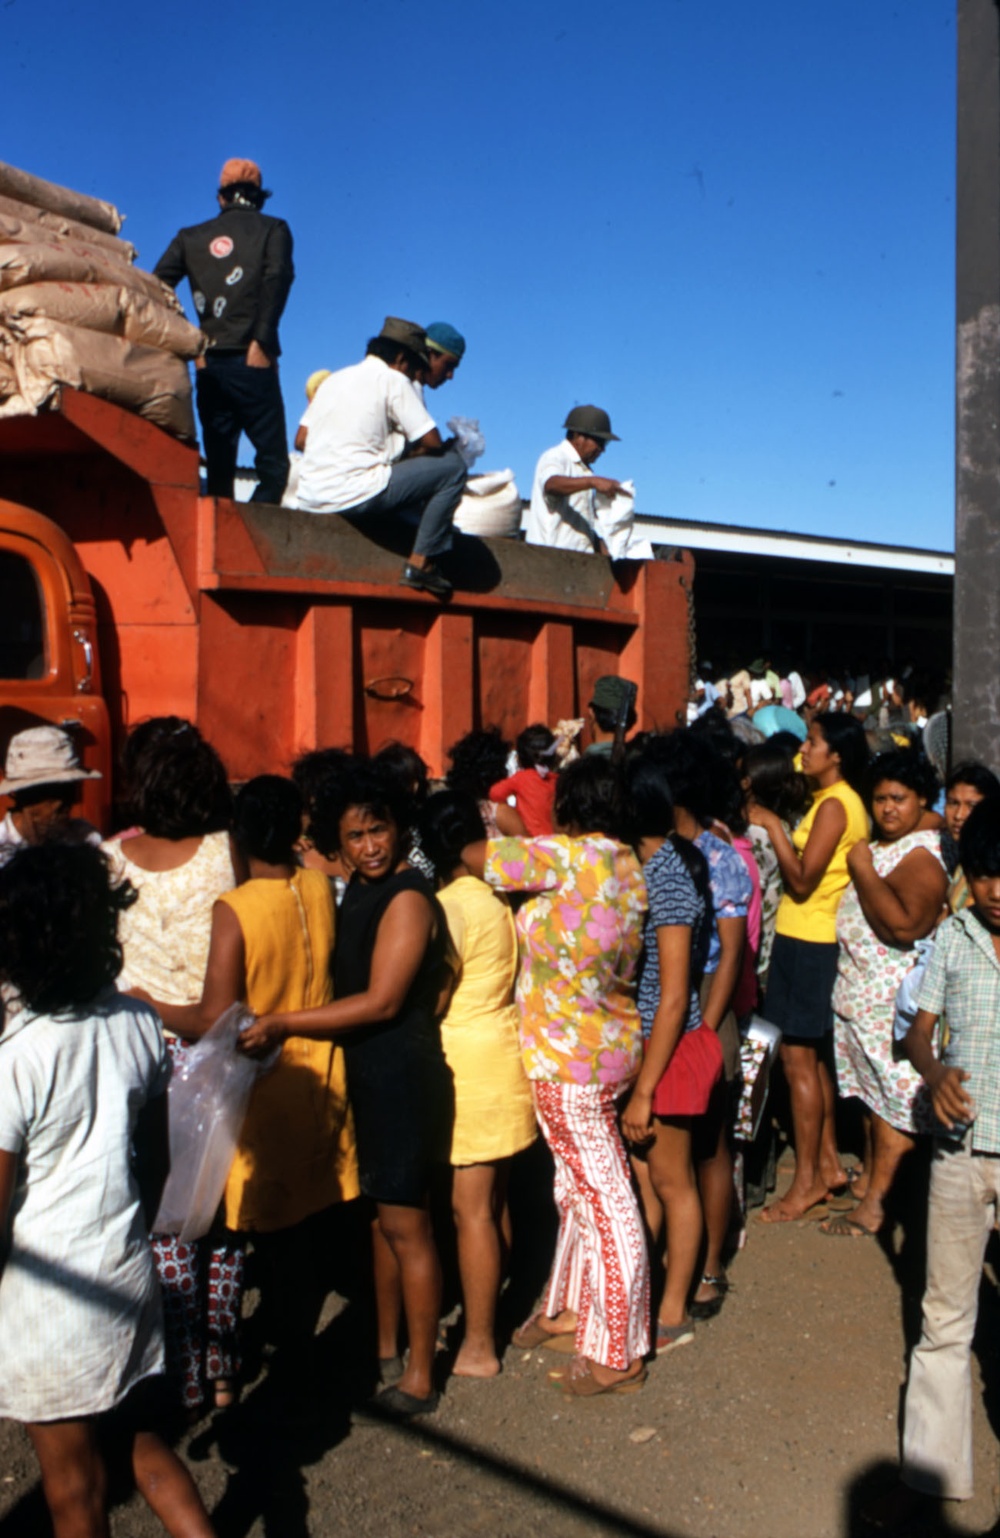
[(388, 973)]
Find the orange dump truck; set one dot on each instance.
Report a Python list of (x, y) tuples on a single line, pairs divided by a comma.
[(125, 594)]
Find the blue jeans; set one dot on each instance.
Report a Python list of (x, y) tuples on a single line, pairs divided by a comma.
[(424, 491)]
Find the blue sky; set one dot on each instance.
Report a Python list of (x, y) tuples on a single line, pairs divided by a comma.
[(732, 226)]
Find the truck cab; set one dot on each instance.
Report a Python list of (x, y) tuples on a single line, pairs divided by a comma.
[(49, 664)]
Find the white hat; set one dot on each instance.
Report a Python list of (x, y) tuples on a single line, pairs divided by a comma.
[(42, 755)]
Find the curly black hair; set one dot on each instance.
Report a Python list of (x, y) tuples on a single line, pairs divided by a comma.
[(535, 745), (775, 783), (975, 774), (175, 781), (588, 796), (449, 819), (311, 769), (478, 760), (59, 925), (979, 840), (268, 819), (692, 769), (907, 767), (364, 783), (407, 768)]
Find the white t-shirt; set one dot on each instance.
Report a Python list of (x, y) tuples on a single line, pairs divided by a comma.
[(562, 523), (351, 421), (798, 689), (80, 1312)]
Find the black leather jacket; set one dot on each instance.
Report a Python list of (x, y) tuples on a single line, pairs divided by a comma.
[(240, 269)]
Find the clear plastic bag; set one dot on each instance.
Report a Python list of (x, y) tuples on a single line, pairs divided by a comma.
[(207, 1098), (471, 443)]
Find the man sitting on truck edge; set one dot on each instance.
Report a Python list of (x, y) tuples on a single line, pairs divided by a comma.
[(562, 513), (445, 351), (239, 266), (357, 425)]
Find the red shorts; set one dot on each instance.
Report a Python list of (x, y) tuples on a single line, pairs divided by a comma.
[(691, 1075)]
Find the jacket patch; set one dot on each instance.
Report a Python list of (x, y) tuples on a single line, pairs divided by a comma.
[(221, 246)]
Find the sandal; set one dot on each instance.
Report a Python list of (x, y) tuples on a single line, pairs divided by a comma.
[(709, 1308), (580, 1382), (402, 1406), (844, 1227), (531, 1335), (668, 1336)]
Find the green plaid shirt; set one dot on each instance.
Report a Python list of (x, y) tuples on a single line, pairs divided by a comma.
[(963, 981)]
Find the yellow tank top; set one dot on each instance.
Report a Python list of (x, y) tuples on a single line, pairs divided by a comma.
[(815, 917)]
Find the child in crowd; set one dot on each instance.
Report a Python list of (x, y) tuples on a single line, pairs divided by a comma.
[(962, 981), (82, 1075), (534, 785)]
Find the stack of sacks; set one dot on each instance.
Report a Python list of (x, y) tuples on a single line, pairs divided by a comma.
[(75, 311)]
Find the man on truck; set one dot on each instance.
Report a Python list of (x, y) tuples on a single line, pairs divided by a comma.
[(239, 266), (357, 425), (563, 512)]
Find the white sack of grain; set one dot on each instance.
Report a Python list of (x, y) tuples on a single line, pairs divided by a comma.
[(58, 224), (109, 308), (44, 354), (490, 506), (59, 260), (59, 200)]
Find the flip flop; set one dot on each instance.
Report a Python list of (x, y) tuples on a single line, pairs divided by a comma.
[(402, 1406), (530, 1336), (580, 1383), (843, 1227)]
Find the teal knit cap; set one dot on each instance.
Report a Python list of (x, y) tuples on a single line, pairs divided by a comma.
[(444, 338)]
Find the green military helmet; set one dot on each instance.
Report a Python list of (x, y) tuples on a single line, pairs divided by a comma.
[(591, 421)]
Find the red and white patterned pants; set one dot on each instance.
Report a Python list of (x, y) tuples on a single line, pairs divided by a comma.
[(202, 1287), (601, 1268)]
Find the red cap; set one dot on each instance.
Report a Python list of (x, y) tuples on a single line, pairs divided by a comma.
[(240, 171)]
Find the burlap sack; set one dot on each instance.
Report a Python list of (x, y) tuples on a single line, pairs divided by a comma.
[(45, 354), (109, 308), (58, 224), (59, 200), (59, 260)]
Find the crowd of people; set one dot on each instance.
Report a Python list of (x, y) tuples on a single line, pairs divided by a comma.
[(554, 940)]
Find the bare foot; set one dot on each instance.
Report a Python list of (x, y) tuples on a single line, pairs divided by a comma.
[(559, 1324), (794, 1204), (869, 1214), (476, 1362)]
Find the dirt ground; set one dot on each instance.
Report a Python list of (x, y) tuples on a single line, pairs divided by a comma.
[(778, 1422)]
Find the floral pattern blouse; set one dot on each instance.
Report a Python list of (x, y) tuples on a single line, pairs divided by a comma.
[(580, 937)]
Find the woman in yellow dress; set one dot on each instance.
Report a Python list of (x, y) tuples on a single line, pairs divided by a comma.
[(272, 938), (494, 1114)]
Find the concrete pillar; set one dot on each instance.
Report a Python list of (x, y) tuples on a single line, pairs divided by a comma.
[(977, 379)]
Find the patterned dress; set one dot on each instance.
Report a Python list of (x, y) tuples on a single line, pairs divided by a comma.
[(869, 973)]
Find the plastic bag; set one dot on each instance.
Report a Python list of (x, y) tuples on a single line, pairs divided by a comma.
[(207, 1101), (758, 1050), (471, 443), (906, 994)]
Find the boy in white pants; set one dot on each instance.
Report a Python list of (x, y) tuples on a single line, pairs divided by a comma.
[(962, 981)]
